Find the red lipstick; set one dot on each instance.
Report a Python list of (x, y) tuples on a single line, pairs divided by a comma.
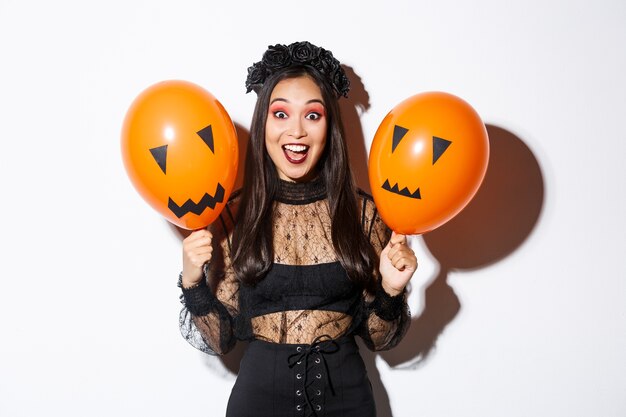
[(295, 153)]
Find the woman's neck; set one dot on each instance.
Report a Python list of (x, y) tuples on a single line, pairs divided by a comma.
[(301, 192)]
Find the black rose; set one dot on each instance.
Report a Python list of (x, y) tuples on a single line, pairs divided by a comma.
[(341, 82), (279, 57), (276, 57), (326, 63), (256, 76), (303, 52)]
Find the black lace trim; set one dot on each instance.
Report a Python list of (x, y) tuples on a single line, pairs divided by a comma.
[(198, 299), (298, 193), (387, 307)]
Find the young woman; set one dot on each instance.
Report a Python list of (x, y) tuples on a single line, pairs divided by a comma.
[(299, 261)]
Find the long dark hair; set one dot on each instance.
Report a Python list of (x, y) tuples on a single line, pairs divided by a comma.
[(252, 250)]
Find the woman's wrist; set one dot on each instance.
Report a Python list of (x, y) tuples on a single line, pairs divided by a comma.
[(189, 284), (389, 303), (197, 298), (391, 290), (192, 277)]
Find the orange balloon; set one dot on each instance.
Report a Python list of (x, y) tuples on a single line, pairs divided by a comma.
[(180, 151), (426, 162)]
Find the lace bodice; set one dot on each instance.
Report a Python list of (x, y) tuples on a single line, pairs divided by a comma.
[(306, 293)]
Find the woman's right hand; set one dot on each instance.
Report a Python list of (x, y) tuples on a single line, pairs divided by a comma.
[(197, 251)]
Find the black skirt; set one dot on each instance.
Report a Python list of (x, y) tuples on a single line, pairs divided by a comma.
[(324, 379)]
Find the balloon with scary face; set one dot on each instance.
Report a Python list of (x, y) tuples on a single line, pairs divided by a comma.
[(180, 151), (427, 160)]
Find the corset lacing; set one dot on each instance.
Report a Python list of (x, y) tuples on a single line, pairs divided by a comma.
[(321, 346)]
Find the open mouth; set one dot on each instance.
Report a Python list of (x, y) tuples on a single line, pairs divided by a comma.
[(296, 154), (403, 192), (197, 208)]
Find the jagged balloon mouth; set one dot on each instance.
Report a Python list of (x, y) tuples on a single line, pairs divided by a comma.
[(403, 192), (197, 208)]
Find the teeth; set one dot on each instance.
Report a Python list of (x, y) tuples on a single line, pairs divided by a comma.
[(296, 148)]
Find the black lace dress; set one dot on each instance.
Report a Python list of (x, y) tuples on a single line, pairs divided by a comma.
[(300, 319)]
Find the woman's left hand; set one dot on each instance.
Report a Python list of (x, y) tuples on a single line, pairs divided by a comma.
[(397, 264)]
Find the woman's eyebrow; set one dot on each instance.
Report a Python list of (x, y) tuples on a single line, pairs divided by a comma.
[(315, 100)]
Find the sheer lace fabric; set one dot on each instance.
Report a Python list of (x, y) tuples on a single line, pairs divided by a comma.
[(302, 234), (306, 294)]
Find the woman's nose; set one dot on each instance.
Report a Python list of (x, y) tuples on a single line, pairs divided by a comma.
[(297, 129)]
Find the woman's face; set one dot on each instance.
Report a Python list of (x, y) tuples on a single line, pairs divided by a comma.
[(295, 130)]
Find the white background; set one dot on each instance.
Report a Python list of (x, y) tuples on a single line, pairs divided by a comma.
[(519, 307)]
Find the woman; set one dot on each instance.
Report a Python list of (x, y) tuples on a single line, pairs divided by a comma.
[(299, 262)]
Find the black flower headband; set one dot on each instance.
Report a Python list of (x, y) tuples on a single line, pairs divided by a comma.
[(280, 57)]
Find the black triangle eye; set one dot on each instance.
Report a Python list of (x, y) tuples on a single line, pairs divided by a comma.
[(439, 147), (206, 135), (160, 156), (398, 134)]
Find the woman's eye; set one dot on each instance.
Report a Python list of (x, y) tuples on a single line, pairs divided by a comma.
[(280, 114), (313, 116)]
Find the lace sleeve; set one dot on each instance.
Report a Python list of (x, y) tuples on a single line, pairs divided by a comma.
[(385, 318), (211, 308)]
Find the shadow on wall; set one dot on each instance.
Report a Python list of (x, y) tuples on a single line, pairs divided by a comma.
[(357, 103), (501, 216), (494, 224), (497, 221)]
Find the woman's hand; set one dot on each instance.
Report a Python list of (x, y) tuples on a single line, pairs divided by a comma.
[(197, 251), (397, 264)]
